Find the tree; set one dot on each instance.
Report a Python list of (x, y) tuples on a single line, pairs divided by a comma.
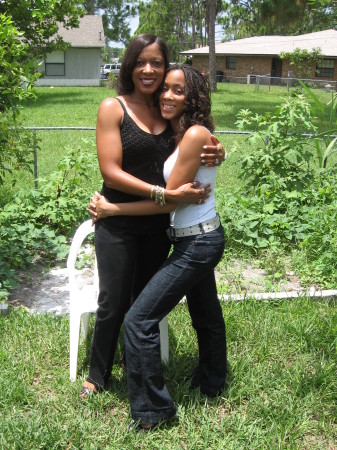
[(115, 17), (111, 52), (38, 21), (162, 18), (181, 23), (269, 17), (211, 43), (302, 61), (26, 33), (18, 73)]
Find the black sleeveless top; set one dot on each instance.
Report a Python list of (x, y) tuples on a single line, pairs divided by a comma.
[(144, 155)]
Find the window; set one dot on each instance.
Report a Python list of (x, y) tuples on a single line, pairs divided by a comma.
[(230, 62), (325, 68), (54, 64)]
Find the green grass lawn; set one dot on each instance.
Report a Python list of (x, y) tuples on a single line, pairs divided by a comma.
[(281, 391), (77, 107), (282, 386)]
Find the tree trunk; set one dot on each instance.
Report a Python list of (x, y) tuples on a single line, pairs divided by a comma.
[(211, 44), (200, 24), (180, 27), (193, 25), (186, 25)]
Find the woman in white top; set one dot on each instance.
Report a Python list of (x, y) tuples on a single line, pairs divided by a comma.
[(198, 243)]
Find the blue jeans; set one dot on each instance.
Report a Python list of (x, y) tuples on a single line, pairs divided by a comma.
[(189, 271)]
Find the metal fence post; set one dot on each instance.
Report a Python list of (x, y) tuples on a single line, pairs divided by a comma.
[(35, 158)]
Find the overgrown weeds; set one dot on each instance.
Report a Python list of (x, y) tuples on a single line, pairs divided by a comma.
[(38, 221), (289, 199)]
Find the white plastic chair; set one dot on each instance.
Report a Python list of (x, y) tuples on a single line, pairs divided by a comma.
[(83, 301)]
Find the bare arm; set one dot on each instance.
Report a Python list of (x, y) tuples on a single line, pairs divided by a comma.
[(188, 160), (185, 168), (100, 208), (109, 152)]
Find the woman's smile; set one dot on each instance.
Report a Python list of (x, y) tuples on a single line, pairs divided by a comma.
[(172, 97)]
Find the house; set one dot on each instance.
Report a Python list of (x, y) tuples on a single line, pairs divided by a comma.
[(260, 55), (80, 64)]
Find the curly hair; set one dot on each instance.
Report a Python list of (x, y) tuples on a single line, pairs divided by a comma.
[(197, 100)]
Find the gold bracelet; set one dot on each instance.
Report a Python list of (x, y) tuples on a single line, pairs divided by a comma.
[(152, 189)]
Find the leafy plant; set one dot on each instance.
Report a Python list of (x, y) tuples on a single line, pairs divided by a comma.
[(280, 157), (37, 221), (302, 61), (16, 82), (111, 81), (325, 142)]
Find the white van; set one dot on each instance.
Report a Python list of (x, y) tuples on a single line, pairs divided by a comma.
[(107, 68)]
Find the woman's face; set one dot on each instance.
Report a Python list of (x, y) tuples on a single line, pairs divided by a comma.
[(172, 97), (149, 70)]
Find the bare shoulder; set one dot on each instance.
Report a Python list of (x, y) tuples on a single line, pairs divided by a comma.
[(110, 110), (198, 135), (110, 104)]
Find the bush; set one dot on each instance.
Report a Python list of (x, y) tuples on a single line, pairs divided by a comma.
[(38, 221), (16, 81), (111, 81), (290, 200)]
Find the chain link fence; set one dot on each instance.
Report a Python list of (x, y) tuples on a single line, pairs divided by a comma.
[(54, 142), (267, 81)]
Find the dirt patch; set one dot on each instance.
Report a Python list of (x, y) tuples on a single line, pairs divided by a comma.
[(45, 289), (239, 277)]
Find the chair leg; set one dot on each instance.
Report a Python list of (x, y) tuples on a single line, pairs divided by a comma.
[(84, 326), (164, 344), (74, 330)]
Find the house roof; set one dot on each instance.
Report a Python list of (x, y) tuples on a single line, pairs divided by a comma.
[(274, 45), (89, 34)]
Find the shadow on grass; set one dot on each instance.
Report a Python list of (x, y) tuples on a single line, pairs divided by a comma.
[(177, 374), (60, 96)]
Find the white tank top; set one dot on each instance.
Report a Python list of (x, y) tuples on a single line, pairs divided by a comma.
[(187, 215)]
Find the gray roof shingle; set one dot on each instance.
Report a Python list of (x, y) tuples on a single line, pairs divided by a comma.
[(89, 34), (274, 45)]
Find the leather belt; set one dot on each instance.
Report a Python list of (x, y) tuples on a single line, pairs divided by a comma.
[(199, 228)]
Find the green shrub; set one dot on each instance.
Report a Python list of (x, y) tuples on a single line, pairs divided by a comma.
[(290, 199), (111, 81), (38, 221)]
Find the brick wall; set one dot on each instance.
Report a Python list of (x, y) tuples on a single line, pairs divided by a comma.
[(257, 65)]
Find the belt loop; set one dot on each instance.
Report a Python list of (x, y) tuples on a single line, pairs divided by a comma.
[(201, 228)]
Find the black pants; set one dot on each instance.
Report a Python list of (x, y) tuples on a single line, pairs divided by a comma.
[(126, 262)]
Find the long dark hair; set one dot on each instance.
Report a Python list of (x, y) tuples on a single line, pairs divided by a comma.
[(197, 100), (125, 84)]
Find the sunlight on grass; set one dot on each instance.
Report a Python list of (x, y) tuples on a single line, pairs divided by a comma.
[(281, 389)]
